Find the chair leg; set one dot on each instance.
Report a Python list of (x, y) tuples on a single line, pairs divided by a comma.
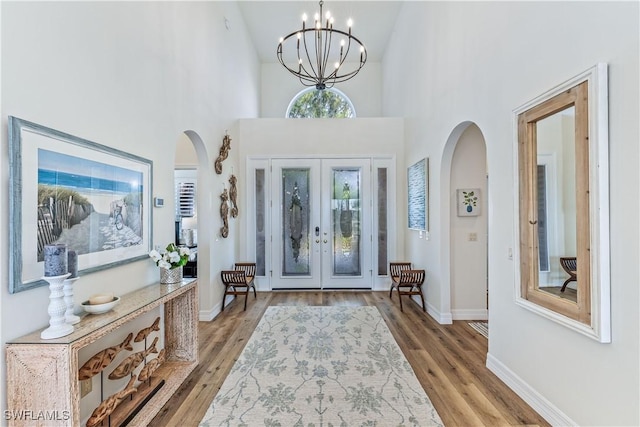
[(224, 297), (246, 297), (566, 282), (400, 298), (391, 292), (254, 291), (422, 298)]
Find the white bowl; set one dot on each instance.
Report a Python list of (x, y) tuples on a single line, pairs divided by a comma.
[(100, 299), (100, 308)]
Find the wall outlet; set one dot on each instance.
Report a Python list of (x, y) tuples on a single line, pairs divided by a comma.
[(85, 387), (473, 237)]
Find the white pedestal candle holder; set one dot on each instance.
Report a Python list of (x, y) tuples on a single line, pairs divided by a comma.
[(67, 290), (57, 307)]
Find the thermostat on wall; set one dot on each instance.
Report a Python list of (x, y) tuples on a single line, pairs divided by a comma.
[(158, 202)]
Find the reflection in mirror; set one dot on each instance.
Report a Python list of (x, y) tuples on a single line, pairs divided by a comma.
[(556, 186), (562, 162)]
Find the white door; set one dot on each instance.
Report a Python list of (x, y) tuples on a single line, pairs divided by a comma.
[(321, 223)]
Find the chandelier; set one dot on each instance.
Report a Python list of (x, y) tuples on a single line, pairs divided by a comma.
[(321, 60)]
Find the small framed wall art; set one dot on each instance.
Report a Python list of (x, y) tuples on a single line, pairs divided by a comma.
[(468, 201)]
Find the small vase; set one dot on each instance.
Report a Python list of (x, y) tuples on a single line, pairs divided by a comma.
[(173, 275)]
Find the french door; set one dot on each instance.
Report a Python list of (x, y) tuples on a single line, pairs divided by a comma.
[(321, 217)]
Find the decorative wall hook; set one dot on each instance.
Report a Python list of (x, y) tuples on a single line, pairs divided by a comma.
[(224, 153), (224, 214), (233, 196)]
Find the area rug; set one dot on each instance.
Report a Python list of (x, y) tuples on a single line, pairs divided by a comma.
[(321, 366), (481, 327)]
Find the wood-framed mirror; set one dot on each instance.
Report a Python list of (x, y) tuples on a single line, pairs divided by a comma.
[(562, 210)]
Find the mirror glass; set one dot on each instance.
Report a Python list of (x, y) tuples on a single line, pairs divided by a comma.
[(556, 188), (562, 229)]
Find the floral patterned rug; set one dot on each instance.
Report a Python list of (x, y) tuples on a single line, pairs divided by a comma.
[(321, 366)]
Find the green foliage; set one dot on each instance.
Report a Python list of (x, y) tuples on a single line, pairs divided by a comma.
[(320, 104), (59, 193)]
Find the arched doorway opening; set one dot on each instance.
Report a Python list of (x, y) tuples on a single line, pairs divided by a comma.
[(192, 162), (465, 233)]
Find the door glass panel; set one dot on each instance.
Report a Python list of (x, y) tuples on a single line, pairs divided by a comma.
[(382, 222), (260, 215), (295, 222), (345, 222)]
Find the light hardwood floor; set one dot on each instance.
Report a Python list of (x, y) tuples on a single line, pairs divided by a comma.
[(449, 360)]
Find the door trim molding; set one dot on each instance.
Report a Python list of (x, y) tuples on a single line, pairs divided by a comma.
[(248, 246)]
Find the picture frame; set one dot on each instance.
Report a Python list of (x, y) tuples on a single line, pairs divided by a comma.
[(418, 195), (66, 189), (468, 201)]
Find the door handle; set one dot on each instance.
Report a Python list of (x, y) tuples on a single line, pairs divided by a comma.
[(317, 240), (325, 240)]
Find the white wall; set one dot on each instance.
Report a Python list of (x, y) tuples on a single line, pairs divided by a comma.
[(186, 157), (469, 257), (368, 137), (279, 87), (477, 62), (133, 76)]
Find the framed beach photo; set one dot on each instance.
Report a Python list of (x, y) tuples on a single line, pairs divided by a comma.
[(68, 190), (418, 195)]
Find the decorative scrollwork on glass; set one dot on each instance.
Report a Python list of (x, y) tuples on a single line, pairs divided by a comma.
[(295, 221)]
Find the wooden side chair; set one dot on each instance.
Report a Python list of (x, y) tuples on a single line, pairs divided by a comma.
[(239, 281), (249, 269), (570, 265), (410, 283), (395, 268)]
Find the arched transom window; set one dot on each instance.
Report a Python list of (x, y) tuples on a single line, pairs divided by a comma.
[(320, 104)]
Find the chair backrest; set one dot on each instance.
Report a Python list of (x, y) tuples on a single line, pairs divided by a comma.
[(249, 268), (395, 268), (570, 264), (411, 278), (233, 277)]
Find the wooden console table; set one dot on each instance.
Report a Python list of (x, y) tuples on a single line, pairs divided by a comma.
[(42, 375)]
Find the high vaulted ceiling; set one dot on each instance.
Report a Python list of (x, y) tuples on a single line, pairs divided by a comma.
[(267, 21)]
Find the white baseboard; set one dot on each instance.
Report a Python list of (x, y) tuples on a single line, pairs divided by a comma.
[(442, 318), (209, 315), (470, 314), (538, 402), (381, 287)]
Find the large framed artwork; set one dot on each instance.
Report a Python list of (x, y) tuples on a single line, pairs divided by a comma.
[(65, 189), (418, 195)]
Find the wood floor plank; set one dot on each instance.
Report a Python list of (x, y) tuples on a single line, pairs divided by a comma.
[(449, 360)]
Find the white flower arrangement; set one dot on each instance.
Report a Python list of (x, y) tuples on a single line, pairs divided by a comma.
[(172, 257)]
